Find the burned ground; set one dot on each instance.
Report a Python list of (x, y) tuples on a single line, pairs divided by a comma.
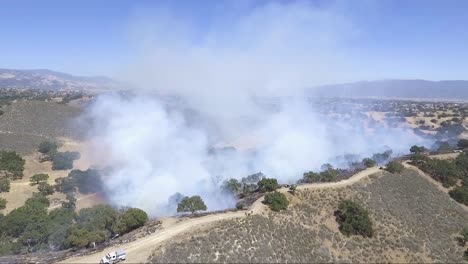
[(413, 222)]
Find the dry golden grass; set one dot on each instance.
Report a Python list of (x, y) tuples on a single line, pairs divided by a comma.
[(413, 221), (21, 190)]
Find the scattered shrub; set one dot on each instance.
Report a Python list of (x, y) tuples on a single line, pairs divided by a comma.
[(460, 194), (394, 167), (327, 175), (47, 147), (45, 188), (462, 143), (130, 219), (191, 204), (80, 238), (417, 149), (3, 203), (268, 185), (353, 219), (368, 162), (464, 236), (11, 164), (4, 185), (276, 201), (88, 181), (38, 178), (64, 160), (445, 171), (232, 186)]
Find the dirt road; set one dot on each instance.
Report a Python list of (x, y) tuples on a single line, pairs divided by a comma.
[(138, 251)]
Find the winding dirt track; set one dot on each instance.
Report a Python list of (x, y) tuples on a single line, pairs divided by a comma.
[(138, 251)]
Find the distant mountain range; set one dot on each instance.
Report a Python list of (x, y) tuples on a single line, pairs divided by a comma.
[(51, 80), (399, 89)]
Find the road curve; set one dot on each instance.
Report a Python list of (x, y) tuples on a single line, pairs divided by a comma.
[(139, 250)]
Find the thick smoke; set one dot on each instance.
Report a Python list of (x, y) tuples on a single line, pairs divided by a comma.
[(239, 84)]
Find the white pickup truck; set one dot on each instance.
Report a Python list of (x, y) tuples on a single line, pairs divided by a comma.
[(114, 257)]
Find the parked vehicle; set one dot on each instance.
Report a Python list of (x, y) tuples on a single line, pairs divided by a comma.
[(114, 257)]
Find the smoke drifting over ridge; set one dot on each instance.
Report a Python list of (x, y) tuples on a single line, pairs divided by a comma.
[(241, 80)]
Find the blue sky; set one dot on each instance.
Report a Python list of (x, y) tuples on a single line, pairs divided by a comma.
[(388, 39)]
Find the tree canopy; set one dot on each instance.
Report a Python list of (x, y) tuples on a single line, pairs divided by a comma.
[(3, 203), (88, 181), (45, 188), (276, 201), (232, 186), (328, 175), (462, 143), (130, 219), (368, 162), (11, 164), (38, 178), (47, 147), (267, 185), (417, 149), (191, 204), (460, 194), (64, 160), (394, 167), (4, 185), (353, 219)]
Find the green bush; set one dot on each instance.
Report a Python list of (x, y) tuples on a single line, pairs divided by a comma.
[(4, 185), (3, 203), (462, 143), (88, 181), (464, 236), (417, 149), (267, 185), (445, 171), (80, 238), (38, 178), (310, 177), (460, 194), (191, 204), (328, 175), (45, 188), (394, 167), (276, 201), (64, 160), (12, 164), (130, 219), (368, 162), (353, 219), (232, 186), (47, 147)]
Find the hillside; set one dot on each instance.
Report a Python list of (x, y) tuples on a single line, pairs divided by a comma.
[(24, 124), (423, 89), (51, 80), (414, 222)]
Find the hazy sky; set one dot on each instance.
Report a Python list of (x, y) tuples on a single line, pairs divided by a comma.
[(377, 39)]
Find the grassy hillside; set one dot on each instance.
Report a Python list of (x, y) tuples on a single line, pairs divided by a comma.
[(413, 222), (25, 124)]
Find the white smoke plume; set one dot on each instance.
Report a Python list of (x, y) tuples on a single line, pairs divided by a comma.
[(224, 82)]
